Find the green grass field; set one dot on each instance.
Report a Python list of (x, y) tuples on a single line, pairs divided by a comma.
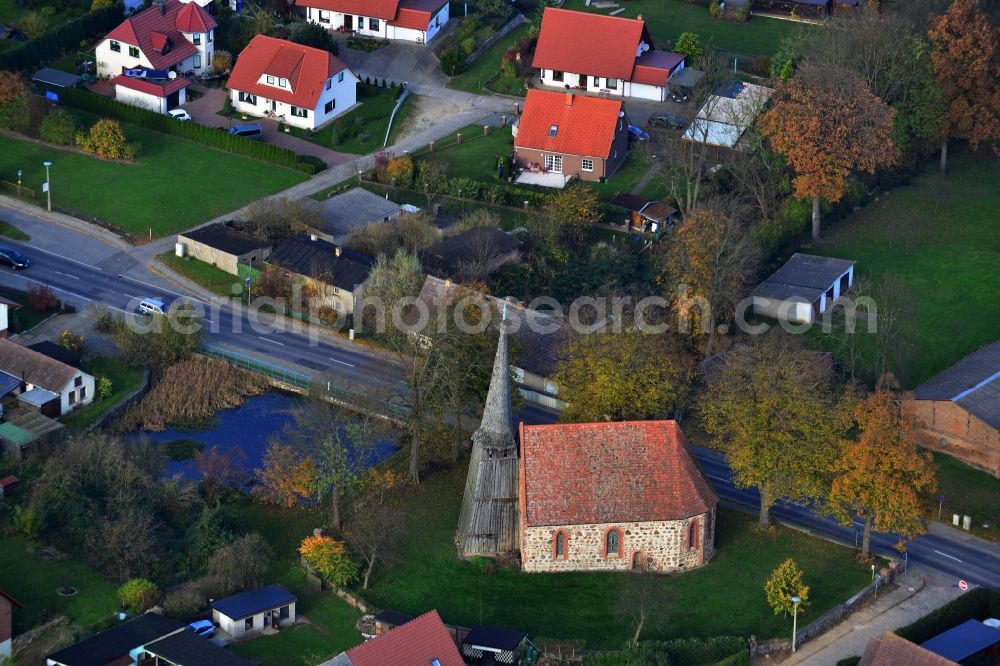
[(967, 491), (667, 19), (33, 581), (25, 317), (10, 231), (940, 236), (208, 276), (124, 380), (175, 185), (488, 64), (724, 597), (370, 118)]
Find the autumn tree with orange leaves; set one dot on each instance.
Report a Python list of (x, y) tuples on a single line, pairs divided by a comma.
[(881, 473), (829, 125), (966, 60), (284, 478)]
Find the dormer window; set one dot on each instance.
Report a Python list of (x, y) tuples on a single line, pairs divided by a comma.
[(196, 39), (553, 130), (283, 83), (270, 80)]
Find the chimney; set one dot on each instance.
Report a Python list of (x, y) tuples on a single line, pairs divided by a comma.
[(337, 251), (639, 17), (313, 237), (163, 7), (569, 98), (447, 282)]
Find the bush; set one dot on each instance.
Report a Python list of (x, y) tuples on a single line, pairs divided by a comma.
[(715, 9), (64, 37), (184, 603), (13, 101), (314, 35), (330, 559), (41, 298), (312, 162), (28, 521), (222, 62), (468, 45), (71, 341), (106, 140), (104, 388), (762, 66), (59, 127), (33, 24), (452, 62), (138, 595), (209, 136)]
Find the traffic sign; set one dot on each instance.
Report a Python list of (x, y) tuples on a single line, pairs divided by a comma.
[(962, 585), (247, 282)]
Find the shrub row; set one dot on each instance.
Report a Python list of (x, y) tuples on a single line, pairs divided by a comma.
[(208, 136), (977, 604), (715, 651), (67, 36)]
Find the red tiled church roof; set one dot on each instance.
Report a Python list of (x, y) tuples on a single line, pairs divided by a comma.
[(151, 30), (419, 641), (307, 70), (158, 88), (588, 473), (585, 126), (587, 43)]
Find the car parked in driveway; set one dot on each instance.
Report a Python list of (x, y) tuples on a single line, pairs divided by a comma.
[(179, 114), (13, 258), (638, 133), (666, 120), (203, 628)]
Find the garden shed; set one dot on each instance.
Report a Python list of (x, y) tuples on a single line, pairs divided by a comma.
[(266, 607), (804, 288), (492, 645)]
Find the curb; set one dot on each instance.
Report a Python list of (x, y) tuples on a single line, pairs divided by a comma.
[(81, 227)]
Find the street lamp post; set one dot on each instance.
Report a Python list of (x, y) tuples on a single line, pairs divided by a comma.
[(48, 184), (795, 619)]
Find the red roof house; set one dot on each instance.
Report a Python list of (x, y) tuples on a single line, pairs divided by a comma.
[(161, 34), (612, 496), (407, 20), (297, 79), (424, 640), (891, 650), (562, 135), (625, 64), (7, 605)]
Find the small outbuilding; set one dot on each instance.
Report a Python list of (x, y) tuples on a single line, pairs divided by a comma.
[(804, 288), (157, 95), (967, 640), (354, 209), (645, 214), (224, 245), (487, 646), (266, 607), (54, 80), (390, 619), (186, 649)]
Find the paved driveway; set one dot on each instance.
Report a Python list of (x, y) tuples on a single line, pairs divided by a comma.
[(205, 109), (396, 61)]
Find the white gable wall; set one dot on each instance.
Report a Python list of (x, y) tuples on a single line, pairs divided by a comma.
[(342, 93)]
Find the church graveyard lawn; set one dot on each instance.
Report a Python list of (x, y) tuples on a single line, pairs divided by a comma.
[(966, 491), (726, 597)]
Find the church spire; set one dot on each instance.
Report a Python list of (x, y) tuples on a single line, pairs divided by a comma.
[(498, 415)]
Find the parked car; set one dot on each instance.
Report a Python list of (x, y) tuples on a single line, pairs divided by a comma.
[(666, 120), (13, 258), (203, 628), (679, 95), (179, 114), (253, 131), (638, 133)]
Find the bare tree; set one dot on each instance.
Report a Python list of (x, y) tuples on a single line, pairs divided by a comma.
[(432, 178), (643, 602), (376, 526), (759, 173)]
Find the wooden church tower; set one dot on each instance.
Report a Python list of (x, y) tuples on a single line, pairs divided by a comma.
[(488, 524)]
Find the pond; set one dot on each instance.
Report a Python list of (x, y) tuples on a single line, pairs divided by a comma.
[(247, 428)]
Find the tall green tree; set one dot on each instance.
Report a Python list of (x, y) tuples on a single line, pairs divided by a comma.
[(773, 410)]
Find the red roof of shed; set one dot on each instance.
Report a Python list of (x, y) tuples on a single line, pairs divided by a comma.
[(419, 641), (585, 127), (158, 88), (631, 471), (587, 43), (149, 30), (307, 70)]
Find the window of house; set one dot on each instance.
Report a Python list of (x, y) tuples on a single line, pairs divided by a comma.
[(611, 83), (329, 106), (340, 77), (283, 83), (693, 534), (324, 16), (553, 163), (248, 623), (613, 543), (78, 381), (557, 76), (211, 36), (72, 397), (248, 98), (559, 548), (196, 39), (373, 24), (116, 46), (553, 130), (329, 83), (83, 393), (283, 613), (270, 79), (133, 51), (587, 164), (196, 61), (300, 113)]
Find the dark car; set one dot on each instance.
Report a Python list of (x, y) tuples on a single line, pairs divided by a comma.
[(666, 120), (679, 95), (638, 133), (13, 258)]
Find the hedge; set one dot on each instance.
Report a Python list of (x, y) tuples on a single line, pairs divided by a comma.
[(977, 604), (715, 651), (64, 37), (209, 136)]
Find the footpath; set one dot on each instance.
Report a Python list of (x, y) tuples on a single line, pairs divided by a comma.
[(912, 598)]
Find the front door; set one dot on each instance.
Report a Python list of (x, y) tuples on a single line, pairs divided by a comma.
[(274, 106), (583, 81), (348, 22)]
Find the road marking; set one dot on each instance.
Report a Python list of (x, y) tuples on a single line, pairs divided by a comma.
[(273, 342), (160, 288), (717, 478), (336, 360), (68, 275), (950, 557), (858, 524), (63, 257)]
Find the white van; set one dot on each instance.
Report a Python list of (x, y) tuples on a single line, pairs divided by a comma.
[(151, 306)]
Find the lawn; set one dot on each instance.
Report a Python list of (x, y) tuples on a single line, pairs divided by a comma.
[(485, 66), (26, 317), (367, 123), (724, 597), (939, 236), (124, 380), (967, 491), (208, 276), (33, 580), (330, 622), (667, 19), (11, 11), (10, 231), (175, 185)]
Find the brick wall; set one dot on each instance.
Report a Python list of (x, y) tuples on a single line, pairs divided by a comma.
[(949, 428), (664, 543)]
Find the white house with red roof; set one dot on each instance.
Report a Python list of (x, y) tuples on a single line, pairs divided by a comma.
[(603, 54), (304, 86), (406, 20), (612, 497), (423, 641), (562, 135), (157, 47)]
